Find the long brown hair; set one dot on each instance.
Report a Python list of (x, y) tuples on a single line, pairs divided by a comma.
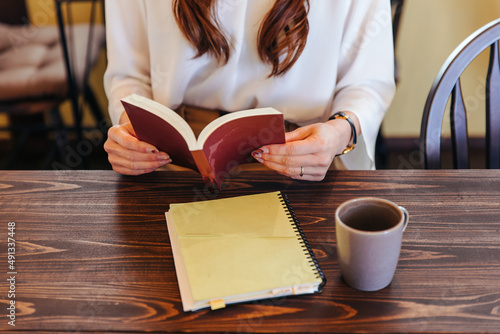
[(281, 39)]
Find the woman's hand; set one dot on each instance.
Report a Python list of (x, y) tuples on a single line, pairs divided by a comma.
[(309, 150), (130, 156)]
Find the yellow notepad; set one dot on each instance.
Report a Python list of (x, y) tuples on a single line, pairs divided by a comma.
[(240, 249)]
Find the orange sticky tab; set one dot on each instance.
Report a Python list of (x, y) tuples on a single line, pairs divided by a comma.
[(217, 304)]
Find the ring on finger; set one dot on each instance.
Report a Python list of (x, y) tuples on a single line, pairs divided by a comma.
[(301, 171)]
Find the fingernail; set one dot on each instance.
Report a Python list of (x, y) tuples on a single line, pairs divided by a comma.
[(264, 150), (152, 150), (165, 162), (259, 160), (256, 154), (163, 156)]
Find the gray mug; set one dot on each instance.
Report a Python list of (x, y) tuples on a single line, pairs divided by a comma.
[(369, 232)]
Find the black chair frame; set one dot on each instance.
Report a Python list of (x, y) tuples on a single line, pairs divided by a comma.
[(74, 93)]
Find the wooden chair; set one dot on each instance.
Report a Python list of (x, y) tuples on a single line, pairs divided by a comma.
[(448, 82), (40, 68)]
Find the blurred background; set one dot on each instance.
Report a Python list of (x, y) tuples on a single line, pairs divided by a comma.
[(429, 31)]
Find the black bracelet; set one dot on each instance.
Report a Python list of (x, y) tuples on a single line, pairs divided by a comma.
[(352, 145)]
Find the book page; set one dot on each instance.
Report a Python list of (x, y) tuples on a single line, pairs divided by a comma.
[(240, 246)]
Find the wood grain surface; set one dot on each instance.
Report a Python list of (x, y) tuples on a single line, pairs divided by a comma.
[(93, 254)]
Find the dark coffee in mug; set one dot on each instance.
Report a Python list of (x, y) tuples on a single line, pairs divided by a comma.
[(370, 216)]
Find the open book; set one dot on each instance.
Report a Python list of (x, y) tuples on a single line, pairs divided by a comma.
[(240, 249), (222, 145)]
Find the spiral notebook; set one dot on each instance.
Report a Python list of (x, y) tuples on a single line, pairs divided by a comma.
[(240, 249)]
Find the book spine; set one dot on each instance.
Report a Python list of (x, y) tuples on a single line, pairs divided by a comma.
[(204, 168), (305, 244)]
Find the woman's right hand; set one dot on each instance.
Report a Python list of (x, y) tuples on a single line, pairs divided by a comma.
[(130, 156)]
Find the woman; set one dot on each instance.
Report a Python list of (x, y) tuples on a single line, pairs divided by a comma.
[(308, 59)]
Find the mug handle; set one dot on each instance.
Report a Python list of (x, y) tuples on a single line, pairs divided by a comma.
[(406, 216)]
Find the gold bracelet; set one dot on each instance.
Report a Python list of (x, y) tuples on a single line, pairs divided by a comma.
[(354, 137)]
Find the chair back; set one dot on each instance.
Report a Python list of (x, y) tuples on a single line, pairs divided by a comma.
[(447, 83)]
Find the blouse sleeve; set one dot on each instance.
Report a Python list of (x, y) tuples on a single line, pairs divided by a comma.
[(128, 69), (365, 84)]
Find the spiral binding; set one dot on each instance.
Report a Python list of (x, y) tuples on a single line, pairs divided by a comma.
[(303, 240)]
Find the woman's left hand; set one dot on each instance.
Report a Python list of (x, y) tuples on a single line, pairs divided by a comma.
[(308, 151)]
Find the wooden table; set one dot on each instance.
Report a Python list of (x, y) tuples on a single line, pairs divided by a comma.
[(92, 253)]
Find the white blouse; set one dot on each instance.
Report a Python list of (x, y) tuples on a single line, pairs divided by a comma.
[(347, 64)]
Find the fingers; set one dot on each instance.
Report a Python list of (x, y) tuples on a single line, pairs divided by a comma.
[(131, 162), (124, 135), (130, 156), (307, 173), (297, 134), (306, 155), (312, 166), (291, 156)]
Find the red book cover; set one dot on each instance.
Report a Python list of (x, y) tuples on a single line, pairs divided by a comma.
[(224, 144)]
